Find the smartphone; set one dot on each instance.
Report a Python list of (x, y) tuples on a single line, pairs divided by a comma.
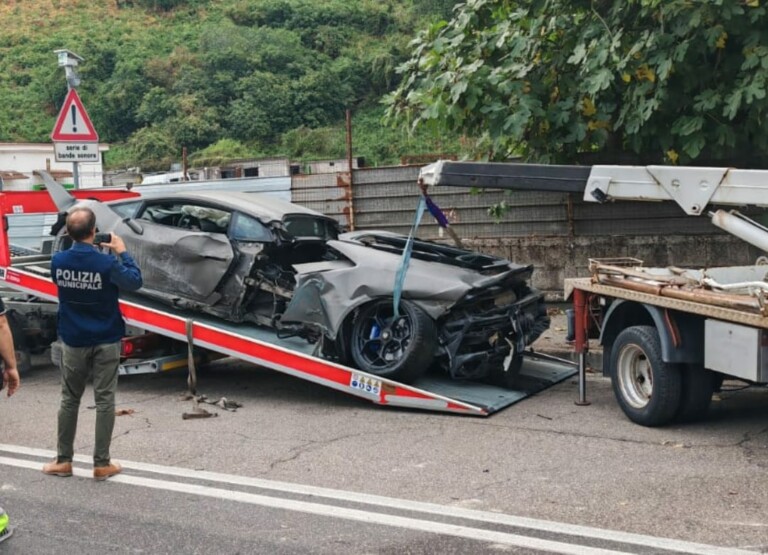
[(102, 238)]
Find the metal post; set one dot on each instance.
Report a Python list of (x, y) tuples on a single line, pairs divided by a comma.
[(69, 60), (75, 169), (351, 216), (581, 343), (75, 175)]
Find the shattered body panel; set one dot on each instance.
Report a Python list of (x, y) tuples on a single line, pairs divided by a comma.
[(194, 262)]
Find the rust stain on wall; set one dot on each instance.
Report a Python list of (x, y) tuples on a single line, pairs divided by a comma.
[(344, 180)]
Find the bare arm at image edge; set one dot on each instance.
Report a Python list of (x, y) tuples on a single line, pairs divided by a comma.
[(8, 354)]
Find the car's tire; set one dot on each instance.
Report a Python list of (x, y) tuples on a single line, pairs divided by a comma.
[(696, 395), (23, 354), (400, 348), (646, 388)]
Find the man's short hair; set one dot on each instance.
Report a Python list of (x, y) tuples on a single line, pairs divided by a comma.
[(81, 222)]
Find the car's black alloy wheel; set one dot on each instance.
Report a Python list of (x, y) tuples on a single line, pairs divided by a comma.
[(398, 347)]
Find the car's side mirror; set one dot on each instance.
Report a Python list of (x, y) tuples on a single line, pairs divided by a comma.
[(284, 237), (134, 225)]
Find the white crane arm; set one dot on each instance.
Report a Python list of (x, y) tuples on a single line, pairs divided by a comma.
[(693, 188)]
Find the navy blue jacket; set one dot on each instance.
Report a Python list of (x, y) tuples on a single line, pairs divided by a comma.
[(88, 282)]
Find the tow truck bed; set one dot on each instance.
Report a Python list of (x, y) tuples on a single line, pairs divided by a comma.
[(292, 356)]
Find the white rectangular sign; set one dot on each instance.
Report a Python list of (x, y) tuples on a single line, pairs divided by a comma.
[(86, 153)]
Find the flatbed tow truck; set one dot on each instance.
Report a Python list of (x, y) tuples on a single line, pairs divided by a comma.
[(670, 336), (261, 346)]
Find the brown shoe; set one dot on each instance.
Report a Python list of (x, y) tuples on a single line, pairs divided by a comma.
[(104, 472), (55, 468)]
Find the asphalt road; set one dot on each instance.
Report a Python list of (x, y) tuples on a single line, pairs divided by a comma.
[(302, 469)]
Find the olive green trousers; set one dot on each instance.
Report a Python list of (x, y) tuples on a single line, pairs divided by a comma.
[(78, 364)]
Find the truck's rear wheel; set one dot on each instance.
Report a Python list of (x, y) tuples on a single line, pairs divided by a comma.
[(647, 388), (696, 396)]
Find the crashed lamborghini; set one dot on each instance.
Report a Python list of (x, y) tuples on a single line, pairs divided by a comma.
[(246, 257)]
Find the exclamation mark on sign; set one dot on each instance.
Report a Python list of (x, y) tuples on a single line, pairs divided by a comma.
[(74, 119)]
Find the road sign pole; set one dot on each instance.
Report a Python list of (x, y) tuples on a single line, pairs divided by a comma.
[(69, 60), (75, 175), (75, 169)]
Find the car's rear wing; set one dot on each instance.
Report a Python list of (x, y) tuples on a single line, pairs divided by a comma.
[(40, 202)]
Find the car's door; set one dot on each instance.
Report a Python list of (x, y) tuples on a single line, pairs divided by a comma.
[(176, 256)]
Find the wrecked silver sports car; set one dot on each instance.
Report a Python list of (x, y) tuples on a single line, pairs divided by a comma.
[(252, 258)]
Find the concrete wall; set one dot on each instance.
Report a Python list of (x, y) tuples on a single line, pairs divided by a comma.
[(557, 258), (328, 193)]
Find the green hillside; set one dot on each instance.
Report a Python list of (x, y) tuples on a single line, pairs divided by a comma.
[(224, 78)]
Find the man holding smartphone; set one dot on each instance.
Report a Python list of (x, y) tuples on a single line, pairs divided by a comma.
[(90, 328)]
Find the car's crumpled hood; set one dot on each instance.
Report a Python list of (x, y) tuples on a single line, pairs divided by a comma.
[(326, 292)]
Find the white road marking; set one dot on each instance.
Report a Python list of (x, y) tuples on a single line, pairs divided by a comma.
[(375, 500), (340, 512)]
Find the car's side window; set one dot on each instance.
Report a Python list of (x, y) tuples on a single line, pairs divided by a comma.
[(164, 214), (309, 226), (247, 228), (204, 218), (188, 216)]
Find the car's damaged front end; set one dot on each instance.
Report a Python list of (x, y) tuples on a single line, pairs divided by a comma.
[(482, 308), (482, 334)]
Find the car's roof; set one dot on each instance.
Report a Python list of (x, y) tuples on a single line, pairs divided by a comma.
[(264, 207)]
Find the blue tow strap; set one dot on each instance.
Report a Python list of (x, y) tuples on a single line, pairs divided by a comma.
[(406, 258)]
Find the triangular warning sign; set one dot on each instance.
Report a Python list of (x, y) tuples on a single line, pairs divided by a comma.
[(73, 123)]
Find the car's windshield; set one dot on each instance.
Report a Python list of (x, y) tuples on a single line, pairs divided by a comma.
[(302, 225)]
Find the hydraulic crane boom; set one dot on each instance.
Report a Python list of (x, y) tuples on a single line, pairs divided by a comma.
[(693, 188)]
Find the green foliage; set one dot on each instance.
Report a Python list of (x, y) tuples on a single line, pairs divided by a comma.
[(221, 152), (118, 156), (161, 75), (304, 143), (159, 5), (306, 16), (155, 148), (617, 80), (382, 144), (435, 9)]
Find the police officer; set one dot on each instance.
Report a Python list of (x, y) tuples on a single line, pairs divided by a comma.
[(11, 382), (90, 327)]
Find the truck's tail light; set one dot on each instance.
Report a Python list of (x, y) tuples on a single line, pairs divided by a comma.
[(135, 345)]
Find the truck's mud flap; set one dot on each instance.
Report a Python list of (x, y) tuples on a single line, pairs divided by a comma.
[(535, 376)]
